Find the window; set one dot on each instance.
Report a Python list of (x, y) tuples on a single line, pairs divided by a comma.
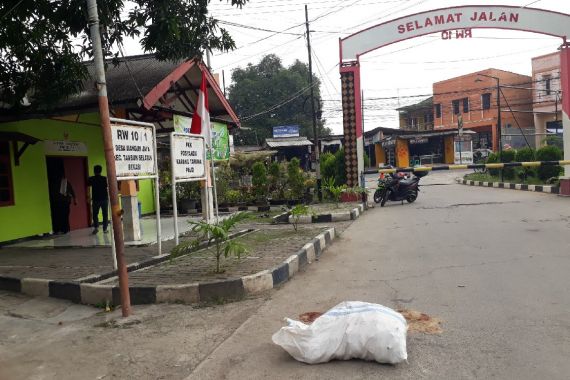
[(428, 118), (465, 105), (438, 111), (6, 189), (455, 106), (547, 85), (486, 101)]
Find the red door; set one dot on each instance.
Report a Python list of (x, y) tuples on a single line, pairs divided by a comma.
[(76, 174)]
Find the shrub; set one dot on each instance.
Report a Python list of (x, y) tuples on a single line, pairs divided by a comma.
[(508, 156), (259, 180), (295, 179), (525, 155), (493, 158), (297, 212), (340, 173), (548, 153), (328, 165)]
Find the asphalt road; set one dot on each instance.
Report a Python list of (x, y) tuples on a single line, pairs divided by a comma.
[(493, 264)]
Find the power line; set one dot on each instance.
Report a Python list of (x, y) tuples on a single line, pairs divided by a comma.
[(11, 9)]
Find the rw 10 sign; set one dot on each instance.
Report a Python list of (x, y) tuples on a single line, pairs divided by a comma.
[(133, 147), (188, 157)]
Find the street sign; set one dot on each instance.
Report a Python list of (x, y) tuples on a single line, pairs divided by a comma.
[(133, 147), (188, 157)]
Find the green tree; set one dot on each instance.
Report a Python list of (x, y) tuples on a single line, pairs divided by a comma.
[(525, 155), (43, 42), (257, 89)]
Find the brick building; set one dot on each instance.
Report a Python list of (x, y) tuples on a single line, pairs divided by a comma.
[(547, 96), (473, 97)]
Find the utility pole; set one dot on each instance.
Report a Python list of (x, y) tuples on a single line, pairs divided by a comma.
[(315, 131), (109, 157), (499, 124)]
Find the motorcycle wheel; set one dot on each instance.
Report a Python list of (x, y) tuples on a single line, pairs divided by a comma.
[(384, 198), (411, 197), (378, 196)]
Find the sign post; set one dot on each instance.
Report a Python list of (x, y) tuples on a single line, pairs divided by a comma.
[(134, 148), (187, 164)]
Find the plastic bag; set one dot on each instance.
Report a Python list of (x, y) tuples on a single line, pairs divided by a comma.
[(350, 330)]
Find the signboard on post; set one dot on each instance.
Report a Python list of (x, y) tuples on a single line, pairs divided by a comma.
[(188, 157), (188, 163), (133, 147)]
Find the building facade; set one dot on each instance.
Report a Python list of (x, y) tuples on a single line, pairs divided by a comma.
[(472, 100), (417, 117), (37, 148), (547, 96)]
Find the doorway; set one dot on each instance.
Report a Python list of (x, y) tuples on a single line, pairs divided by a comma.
[(75, 171)]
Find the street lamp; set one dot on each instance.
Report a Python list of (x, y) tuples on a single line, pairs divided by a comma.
[(499, 124)]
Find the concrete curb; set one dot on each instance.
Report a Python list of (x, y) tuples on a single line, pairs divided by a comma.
[(512, 186), (331, 217), (229, 289)]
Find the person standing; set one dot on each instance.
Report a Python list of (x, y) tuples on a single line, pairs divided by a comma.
[(99, 198)]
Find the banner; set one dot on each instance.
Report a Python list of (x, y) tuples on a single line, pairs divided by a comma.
[(220, 142), (133, 147), (182, 124)]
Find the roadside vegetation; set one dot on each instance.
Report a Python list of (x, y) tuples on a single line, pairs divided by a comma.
[(543, 175)]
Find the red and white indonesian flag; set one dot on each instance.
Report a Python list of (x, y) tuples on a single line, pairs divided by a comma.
[(201, 117)]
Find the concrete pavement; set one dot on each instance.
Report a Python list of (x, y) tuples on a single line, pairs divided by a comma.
[(492, 264)]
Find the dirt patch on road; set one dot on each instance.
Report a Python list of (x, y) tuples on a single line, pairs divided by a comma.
[(421, 322)]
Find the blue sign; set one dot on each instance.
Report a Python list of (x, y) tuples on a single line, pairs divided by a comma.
[(286, 131)]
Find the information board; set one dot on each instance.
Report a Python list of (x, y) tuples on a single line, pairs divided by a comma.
[(133, 147), (188, 157)]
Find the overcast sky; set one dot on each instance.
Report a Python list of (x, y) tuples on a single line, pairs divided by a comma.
[(400, 70)]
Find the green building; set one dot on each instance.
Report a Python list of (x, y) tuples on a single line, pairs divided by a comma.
[(37, 144)]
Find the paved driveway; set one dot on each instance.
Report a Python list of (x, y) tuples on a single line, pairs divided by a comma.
[(492, 263)]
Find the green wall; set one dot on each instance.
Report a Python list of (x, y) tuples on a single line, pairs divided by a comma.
[(31, 215)]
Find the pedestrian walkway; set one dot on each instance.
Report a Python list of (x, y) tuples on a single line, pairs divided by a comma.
[(85, 238)]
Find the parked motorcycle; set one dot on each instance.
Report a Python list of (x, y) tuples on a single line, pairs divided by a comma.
[(398, 188)]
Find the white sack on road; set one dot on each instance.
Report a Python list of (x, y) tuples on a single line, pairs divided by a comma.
[(350, 330)]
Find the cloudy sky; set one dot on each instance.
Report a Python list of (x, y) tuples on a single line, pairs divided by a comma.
[(392, 76)]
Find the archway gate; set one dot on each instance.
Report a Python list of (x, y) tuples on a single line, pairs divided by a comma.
[(435, 21)]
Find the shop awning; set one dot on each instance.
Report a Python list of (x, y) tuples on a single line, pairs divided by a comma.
[(287, 142)]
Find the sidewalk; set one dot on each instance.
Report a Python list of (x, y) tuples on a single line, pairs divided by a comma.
[(85, 239)]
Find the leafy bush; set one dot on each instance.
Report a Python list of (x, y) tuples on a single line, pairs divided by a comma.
[(277, 179), (295, 179), (297, 212), (556, 141), (218, 234), (340, 172), (328, 165), (233, 196), (525, 155), (332, 191), (548, 153), (493, 158), (259, 180), (508, 156)]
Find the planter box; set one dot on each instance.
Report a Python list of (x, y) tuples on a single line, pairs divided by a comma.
[(350, 197)]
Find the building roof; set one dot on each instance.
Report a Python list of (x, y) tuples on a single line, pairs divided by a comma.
[(426, 103), (282, 142), (142, 81)]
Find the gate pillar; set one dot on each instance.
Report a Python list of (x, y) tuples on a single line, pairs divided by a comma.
[(565, 85), (352, 122)]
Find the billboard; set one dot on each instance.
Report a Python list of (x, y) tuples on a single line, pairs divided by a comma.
[(286, 131)]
